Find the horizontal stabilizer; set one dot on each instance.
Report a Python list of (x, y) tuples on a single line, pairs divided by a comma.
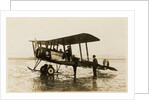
[(111, 68)]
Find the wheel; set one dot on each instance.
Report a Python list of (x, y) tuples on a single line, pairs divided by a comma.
[(43, 69), (50, 70)]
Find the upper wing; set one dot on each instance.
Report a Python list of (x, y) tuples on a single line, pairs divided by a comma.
[(74, 39)]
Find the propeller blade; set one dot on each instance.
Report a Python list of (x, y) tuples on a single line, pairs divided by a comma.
[(35, 48), (35, 44)]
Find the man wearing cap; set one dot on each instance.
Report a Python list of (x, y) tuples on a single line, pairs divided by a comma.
[(94, 65)]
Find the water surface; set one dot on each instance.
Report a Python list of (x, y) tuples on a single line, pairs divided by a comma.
[(22, 80)]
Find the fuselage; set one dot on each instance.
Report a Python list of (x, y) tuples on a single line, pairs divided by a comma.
[(49, 54)]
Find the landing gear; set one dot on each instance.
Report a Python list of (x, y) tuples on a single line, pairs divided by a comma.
[(50, 70), (37, 63), (47, 69), (43, 69)]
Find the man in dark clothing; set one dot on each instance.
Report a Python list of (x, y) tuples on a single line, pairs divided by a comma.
[(75, 59), (68, 53), (94, 65)]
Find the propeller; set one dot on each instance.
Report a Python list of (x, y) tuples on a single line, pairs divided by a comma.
[(35, 47), (35, 41), (34, 44)]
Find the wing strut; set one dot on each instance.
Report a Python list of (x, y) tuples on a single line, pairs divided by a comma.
[(37, 63), (87, 51), (80, 51), (64, 49), (80, 48), (71, 49)]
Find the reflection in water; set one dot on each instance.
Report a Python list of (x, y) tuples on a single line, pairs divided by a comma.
[(74, 80), (54, 83), (94, 85)]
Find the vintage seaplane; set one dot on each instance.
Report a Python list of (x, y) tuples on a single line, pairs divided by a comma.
[(48, 50)]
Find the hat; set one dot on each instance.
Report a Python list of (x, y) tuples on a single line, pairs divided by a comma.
[(94, 56)]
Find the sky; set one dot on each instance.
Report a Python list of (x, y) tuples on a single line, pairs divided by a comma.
[(112, 32)]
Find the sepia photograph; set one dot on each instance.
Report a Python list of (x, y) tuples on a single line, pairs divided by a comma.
[(66, 54)]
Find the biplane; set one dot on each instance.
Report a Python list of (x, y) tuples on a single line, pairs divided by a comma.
[(48, 50)]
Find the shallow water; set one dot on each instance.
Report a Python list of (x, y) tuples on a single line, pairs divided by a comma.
[(21, 79)]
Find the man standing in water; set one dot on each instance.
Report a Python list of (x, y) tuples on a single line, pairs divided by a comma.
[(94, 66), (75, 59)]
